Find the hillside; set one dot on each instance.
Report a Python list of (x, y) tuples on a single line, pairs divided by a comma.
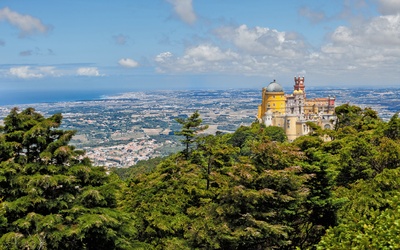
[(250, 189)]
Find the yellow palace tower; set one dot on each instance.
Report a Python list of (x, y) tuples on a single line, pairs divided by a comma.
[(273, 100)]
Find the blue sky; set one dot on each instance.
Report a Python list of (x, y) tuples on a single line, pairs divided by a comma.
[(178, 44)]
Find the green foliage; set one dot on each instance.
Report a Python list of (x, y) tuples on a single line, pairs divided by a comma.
[(321, 206), (159, 201), (347, 115), (247, 190), (190, 128), (355, 158), (141, 167), (392, 130), (357, 118), (220, 199), (252, 189), (276, 133), (253, 209), (51, 197), (370, 218), (213, 152), (244, 137)]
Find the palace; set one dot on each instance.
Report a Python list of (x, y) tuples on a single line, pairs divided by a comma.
[(292, 111)]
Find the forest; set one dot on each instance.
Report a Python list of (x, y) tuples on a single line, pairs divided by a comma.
[(251, 189)]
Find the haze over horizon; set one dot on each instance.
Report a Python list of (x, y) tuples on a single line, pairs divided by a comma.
[(178, 44)]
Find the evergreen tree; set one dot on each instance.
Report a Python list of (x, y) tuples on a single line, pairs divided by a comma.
[(321, 206), (393, 128), (159, 200), (51, 197), (190, 127), (276, 133), (370, 217), (254, 203), (213, 152), (357, 118), (347, 115)]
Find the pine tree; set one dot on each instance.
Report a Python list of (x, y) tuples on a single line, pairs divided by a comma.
[(393, 128), (190, 127), (50, 195)]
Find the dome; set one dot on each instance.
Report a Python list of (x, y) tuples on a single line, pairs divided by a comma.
[(274, 87)]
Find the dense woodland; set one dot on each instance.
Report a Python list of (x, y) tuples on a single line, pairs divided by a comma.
[(247, 190)]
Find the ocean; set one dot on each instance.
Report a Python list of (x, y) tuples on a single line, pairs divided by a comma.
[(16, 97)]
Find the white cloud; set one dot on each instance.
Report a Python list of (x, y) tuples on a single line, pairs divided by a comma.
[(265, 41), (27, 24), (28, 72), (184, 9), (32, 72), (25, 72), (128, 63), (163, 57), (372, 46), (200, 58), (208, 53), (50, 71), (374, 39), (88, 71), (250, 51)]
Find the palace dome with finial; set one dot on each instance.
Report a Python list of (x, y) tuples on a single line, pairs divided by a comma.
[(274, 87)]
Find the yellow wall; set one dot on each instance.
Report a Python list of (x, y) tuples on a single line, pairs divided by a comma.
[(261, 108), (259, 113), (275, 101)]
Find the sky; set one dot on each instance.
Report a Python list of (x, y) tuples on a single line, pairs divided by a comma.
[(197, 44)]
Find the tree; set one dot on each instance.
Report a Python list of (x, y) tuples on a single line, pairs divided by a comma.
[(244, 137), (213, 152), (51, 196), (357, 118), (393, 128), (276, 133), (190, 127), (220, 199), (254, 204), (370, 217), (159, 200), (321, 205), (355, 161), (347, 115)]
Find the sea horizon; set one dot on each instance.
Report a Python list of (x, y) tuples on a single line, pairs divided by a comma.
[(24, 97), (15, 97)]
